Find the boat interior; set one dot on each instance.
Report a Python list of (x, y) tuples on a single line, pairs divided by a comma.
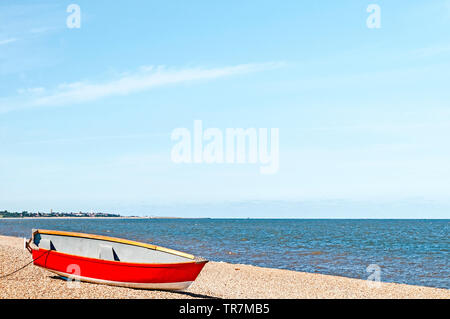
[(101, 248)]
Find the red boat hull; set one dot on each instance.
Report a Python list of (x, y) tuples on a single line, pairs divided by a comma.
[(137, 275)]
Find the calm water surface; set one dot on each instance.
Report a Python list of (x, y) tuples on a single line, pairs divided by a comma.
[(408, 251)]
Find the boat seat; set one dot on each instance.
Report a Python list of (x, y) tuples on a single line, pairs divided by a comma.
[(107, 253), (46, 244)]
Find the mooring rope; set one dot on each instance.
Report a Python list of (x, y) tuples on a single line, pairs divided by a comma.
[(23, 267)]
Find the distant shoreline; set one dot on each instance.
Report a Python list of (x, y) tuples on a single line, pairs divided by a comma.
[(73, 217), (213, 218)]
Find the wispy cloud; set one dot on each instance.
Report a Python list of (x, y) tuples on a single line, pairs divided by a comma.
[(146, 78), (447, 6), (95, 139), (37, 90), (6, 41), (41, 29), (432, 51)]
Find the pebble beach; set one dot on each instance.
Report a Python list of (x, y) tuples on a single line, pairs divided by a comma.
[(217, 280)]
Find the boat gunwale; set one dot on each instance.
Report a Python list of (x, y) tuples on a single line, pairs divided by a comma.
[(117, 240)]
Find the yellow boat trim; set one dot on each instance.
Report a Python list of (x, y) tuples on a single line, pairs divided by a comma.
[(116, 240)]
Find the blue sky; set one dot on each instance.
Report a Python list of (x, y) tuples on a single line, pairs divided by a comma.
[(86, 114)]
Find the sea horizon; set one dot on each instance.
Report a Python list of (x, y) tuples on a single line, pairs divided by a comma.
[(401, 208), (223, 218)]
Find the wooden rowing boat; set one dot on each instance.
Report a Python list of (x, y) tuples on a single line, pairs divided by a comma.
[(113, 261)]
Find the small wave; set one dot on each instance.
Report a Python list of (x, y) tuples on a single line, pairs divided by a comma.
[(311, 253)]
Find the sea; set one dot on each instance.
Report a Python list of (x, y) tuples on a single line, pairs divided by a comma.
[(405, 251)]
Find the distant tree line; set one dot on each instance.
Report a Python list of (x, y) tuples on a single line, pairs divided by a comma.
[(6, 214)]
